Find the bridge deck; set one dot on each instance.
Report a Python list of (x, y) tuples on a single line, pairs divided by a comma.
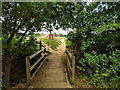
[(52, 73)]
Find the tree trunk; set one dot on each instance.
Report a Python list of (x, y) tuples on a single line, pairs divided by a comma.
[(7, 71), (75, 47), (8, 60), (20, 41)]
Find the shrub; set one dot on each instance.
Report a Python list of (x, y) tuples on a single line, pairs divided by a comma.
[(103, 69)]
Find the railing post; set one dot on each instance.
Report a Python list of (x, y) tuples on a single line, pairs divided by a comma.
[(28, 69), (44, 50), (40, 47), (73, 68), (48, 46)]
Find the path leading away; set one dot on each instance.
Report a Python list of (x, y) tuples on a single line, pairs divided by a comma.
[(52, 73)]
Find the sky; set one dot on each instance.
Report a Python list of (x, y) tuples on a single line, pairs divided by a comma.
[(59, 31)]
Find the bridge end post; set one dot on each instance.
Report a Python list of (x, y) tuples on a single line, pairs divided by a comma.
[(40, 47), (44, 50), (28, 69), (73, 68), (48, 46)]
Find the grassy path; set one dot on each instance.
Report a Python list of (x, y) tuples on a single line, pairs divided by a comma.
[(52, 73)]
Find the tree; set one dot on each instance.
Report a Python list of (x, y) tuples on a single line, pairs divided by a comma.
[(96, 38), (55, 34), (21, 19)]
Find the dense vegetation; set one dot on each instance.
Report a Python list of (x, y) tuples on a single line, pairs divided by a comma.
[(94, 39), (96, 43), (20, 21)]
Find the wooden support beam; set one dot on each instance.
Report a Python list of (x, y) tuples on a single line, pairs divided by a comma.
[(37, 53), (48, 46), (28, 69), (69, 68), (31, 68), (73, 68), (69, 63), (28, 58), (68, 54), (40, 47), (38, 69), (69, 71)]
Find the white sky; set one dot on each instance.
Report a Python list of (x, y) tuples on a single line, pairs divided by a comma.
[(59, 31)]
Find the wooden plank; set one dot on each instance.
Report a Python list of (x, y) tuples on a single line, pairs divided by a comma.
[(38, 68), (40, 46), (28, 69), (68, 69), (31, 68), (48, 46), (73, 68), (37, 53), (69, 63), (44, 50), (69, 54)]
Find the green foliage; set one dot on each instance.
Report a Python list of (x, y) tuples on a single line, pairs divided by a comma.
[(68, 43), (55, 34), (53, 43), (96, 39), (73, 82), (21, 19), (48, 53), (18, 65), (102, 69)]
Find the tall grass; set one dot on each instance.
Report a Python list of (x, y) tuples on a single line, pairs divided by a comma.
[(52, 42)]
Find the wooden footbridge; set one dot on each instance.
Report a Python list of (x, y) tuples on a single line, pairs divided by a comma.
[(53, 71)]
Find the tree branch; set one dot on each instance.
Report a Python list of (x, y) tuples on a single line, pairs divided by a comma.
[(12, 34), (20, 41), (10, 38)]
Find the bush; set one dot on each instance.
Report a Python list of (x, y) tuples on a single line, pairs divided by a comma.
[(18, 66), (102, 69)]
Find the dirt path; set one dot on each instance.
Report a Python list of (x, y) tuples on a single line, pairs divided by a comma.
[(52, 73)]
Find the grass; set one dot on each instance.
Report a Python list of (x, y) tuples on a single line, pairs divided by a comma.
[(52, 42), (68, 43), (82, 80), (48, 53), (61, 38)]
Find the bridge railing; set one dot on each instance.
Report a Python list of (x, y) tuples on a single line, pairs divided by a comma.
[(30, 68), (70, 63)]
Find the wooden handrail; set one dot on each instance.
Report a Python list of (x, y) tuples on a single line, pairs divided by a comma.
[(30, 68), (38, 69), (69, 63), (73, 68), (27, 69), (69, 55), (37, 53), (70, 67)]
